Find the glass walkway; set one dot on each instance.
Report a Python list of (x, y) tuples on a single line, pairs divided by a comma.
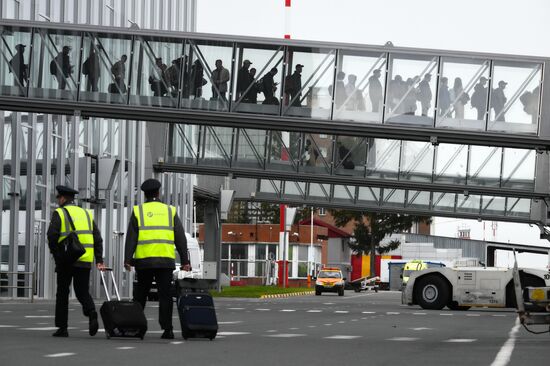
[(391, 127)]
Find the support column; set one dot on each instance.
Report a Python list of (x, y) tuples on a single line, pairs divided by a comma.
[(212, 237), (30, 239), (14, 197)]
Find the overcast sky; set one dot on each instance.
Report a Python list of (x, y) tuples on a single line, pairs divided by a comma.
[(499, 26)]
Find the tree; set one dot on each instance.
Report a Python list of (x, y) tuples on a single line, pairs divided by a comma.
[(371, 228)]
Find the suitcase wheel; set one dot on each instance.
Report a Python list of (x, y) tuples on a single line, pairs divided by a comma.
[(107, 335)]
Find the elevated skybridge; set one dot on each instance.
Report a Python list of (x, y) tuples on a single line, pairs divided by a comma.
[(433, 127), (369, 91)]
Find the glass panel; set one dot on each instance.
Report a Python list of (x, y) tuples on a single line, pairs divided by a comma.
[(351, 155), (410, 96), (251, 148), (294, 189), (154, 83), (418, 200), (216, 146), (518, 207), (383, 158), (55, 65), (493, 205), (239, 259), (104, 65), (470, 203), (463, 83), (369, 194), (316, 154), (443, 201), (319, 191), (450, 164), (484, 166), (344, 193), (515, 97), (209, 75), (270, 186), (310, 76), (361, 98), (256, 89), (260, 260), (518, 168), (394, 197), (416, 161), (285, 150), (184, 144), (14, 60)]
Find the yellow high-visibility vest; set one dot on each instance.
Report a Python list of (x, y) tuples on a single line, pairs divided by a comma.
[(156, 230), (83, 224)]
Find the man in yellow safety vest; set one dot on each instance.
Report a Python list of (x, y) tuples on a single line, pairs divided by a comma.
[(153, 234), (79, 271)]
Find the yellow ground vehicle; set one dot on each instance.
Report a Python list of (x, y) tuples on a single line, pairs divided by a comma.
[(410, 267), (330, 280)]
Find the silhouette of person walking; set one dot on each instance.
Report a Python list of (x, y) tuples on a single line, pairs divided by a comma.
[(269, 86), (498, 101), (444, 98), (375, 90), (64, 69), (91, 69), (479, 98), (293, 86), (459, 98), (18, 67), (220, 77), (424, 94)]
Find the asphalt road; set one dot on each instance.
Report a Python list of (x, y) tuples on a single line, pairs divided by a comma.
[(365, 329)]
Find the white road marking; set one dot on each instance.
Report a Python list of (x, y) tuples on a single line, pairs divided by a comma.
[(100, 330), (8, 326), (43, 323), (150, 319), (353, 320), (293, 328), (287, 310), (312, 326), (460, 340), (504, 355), (315, 311), (263, 309), (65, 354), (341, 312), (235, 308), (6, 311), (419, 313), (446, 314), (125, 347), (177, 342), (235, 322), (39, 316), (342, 337), (271, 331), (285, 335), (232, 333), (499, 315), (44, 328), (421, 328), (368, 312), (392, 313), (41, 310), (341, 322), (328, 324), (472, 315), (328, 303), (402, 339)]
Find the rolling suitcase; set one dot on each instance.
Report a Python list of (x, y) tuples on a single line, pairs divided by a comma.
[(196, 310), (121, 318)]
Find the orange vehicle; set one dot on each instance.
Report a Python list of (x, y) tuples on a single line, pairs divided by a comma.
[(330, 280)]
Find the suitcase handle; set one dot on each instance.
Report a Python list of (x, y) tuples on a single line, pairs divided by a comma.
[(108, 269)]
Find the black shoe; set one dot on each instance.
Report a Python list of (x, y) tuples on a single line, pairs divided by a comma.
[(168, 334), (93, 325), (61, 332)]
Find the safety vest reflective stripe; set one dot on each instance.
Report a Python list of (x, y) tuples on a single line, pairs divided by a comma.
[(156, 230), (82, 220)]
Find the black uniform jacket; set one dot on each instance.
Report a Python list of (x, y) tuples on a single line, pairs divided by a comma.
[(155, 262), (54, 231)]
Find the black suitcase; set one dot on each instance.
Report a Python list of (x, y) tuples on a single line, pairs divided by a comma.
[(122, 318), (196, 311)]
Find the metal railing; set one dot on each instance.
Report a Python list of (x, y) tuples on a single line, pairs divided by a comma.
[(17, 286)]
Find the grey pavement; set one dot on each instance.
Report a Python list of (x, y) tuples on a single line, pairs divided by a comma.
[(365, 328)]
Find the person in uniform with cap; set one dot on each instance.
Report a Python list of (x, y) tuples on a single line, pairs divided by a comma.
[(154, 231), (479, 98), (498, 101), (79, 271), (293, 86)]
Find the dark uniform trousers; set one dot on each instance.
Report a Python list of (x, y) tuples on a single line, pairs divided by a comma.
[(163, 278), (81, 277)]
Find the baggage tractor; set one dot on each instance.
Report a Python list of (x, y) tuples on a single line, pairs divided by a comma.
[(196, 309), (121, 318)]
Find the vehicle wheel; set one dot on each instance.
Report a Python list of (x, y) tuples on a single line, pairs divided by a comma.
[(453, 305), (527, 280), (341, 292), (432, 292), (357, 289), (317, 292)]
